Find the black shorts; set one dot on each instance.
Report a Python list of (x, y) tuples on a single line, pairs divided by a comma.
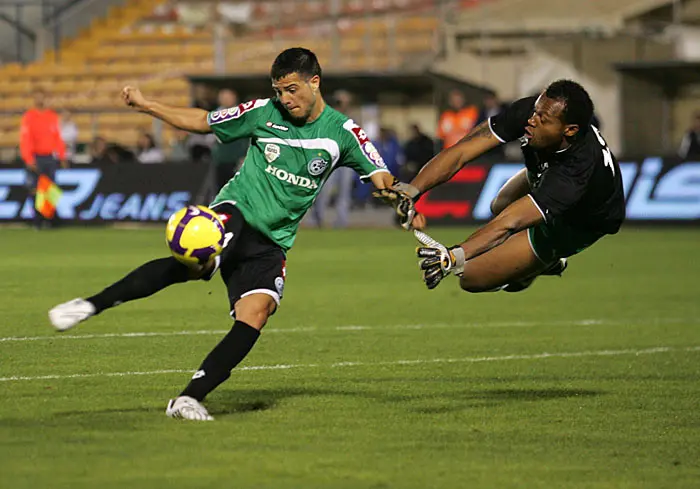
[(250, 262)]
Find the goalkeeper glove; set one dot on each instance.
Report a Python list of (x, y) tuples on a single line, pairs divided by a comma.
[(401, 196), (437, 261)]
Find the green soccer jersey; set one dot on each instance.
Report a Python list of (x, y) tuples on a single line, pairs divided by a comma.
[(287, 164)]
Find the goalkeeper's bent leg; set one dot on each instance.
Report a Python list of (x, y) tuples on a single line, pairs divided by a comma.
[(146, 280)]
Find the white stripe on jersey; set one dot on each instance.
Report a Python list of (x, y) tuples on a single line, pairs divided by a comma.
[(326, 144)]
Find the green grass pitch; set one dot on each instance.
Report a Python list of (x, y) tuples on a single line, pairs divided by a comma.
[(366, 378)]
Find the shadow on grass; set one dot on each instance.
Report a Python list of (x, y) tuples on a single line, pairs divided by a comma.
[(238, 401), (460, 401)]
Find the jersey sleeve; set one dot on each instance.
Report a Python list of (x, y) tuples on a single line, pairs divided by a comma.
[(359, 153), (236, 122), (509, 125), (562, 186)]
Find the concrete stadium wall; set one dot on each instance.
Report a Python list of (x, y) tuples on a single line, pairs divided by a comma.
[(589, 61)]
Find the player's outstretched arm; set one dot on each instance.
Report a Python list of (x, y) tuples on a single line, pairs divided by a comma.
[(449, 161), (185, 118)]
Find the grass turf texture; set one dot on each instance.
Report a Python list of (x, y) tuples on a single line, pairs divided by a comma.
[(476, 404)]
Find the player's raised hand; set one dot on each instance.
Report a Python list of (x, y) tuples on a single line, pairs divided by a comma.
[(437, 261), (133, 97), (401, 196)]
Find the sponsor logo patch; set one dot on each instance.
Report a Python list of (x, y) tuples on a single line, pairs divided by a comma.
[(272, 152), (285, 176), (276, 126)]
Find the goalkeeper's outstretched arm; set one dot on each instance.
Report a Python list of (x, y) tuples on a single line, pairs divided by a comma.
[(449, 161)]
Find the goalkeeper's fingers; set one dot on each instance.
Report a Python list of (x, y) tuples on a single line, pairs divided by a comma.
[(386, 195), (432, 277), (428, 263)]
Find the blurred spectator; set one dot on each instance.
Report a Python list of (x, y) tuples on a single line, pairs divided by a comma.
[(203, 97), (99, 151), (147, 151), (389, 147), (69, 133), (201, 144), (179, 147), (419, 149), (339, 184), (690, 145), (105, 153), (490, 107), (228, 157), (342, 102), (457, 120), (41, 146)]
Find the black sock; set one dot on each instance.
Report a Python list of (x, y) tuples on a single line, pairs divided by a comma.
[(216, 368), (146, 280)]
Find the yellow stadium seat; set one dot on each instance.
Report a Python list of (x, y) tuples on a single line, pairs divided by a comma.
[(414, 44), (415, 24), (9, 139)]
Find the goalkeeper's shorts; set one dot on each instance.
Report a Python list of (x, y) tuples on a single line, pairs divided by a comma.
[(554, 240)]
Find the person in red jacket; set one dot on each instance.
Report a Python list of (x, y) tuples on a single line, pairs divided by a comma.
[(41, 146)]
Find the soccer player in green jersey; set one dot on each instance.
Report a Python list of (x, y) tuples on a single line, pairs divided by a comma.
[(296, 142)]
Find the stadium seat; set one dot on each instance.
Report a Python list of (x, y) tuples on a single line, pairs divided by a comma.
[(133, 46)]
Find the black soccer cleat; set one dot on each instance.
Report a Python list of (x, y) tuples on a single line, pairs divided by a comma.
[(557, 268)]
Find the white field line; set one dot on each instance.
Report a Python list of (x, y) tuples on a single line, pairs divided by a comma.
[(504, 358), (324, 329)]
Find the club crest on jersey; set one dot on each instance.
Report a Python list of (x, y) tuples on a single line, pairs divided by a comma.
[(272, 152), (317, 166), (276, 126)]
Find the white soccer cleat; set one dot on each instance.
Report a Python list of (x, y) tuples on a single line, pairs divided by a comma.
[(65, 316), (186, 407)]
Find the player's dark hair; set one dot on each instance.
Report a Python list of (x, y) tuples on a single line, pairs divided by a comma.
[(578, 106), (295, 60)]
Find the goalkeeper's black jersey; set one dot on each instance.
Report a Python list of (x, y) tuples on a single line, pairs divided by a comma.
[(580, 185)]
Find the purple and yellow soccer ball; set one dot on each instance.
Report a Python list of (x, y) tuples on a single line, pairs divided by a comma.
[(195, 235)]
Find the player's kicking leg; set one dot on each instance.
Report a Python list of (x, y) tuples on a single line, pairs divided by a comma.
[(146, 280), (252, 313), (253, 269)]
